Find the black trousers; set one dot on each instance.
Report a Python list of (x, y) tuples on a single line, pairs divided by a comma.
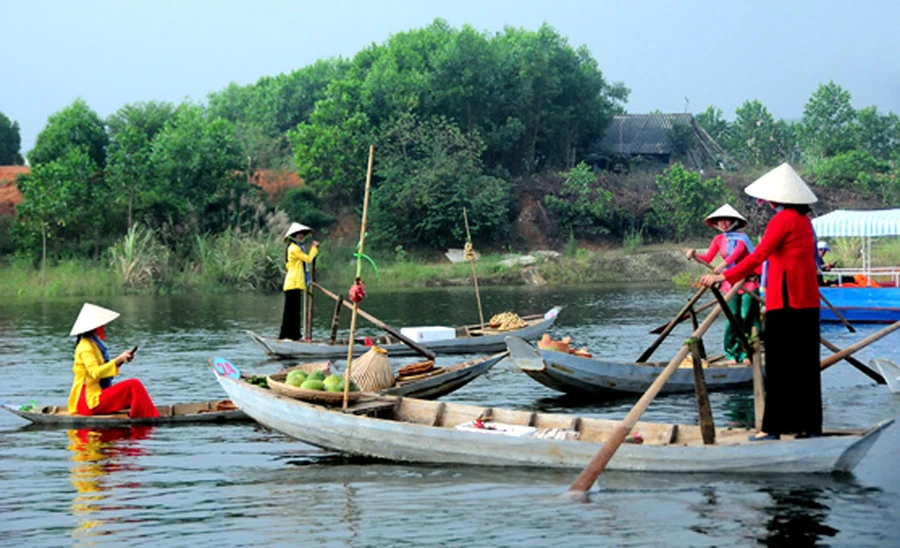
[(793, 376), (290, 321)]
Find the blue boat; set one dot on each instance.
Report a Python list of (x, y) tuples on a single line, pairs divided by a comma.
[(862, 304), (874, 294)]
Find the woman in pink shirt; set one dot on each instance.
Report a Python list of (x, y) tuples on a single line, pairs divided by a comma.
[(733, 246)]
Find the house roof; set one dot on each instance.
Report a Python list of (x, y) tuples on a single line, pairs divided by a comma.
[(642, 133)]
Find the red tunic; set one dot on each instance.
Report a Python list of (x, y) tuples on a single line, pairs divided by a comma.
[(789, 245)]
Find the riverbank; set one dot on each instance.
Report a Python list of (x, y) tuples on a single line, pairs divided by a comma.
[(652, 264)]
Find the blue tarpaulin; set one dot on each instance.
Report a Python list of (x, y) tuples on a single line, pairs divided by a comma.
[(878, 222)]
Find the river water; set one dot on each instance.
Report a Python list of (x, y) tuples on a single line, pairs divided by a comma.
[(246, 485)]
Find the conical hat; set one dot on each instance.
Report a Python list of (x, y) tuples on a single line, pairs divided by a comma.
[(782, 185), (726, 212), (294, 228), (91, 317)]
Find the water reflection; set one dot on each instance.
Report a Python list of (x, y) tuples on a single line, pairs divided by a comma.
[(796, 516), (97, 454)]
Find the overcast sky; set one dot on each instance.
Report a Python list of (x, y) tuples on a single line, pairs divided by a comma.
[(707, 52)]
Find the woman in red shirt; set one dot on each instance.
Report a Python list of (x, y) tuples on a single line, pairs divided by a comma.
[(793, 383), (733, 245)]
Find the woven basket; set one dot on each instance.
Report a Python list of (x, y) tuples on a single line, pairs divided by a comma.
[(324, 367), (276, 383), (372, 371)]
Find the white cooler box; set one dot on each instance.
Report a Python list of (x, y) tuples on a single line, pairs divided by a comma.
[(428, 334)]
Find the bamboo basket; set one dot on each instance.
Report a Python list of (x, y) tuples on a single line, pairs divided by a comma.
[(276, 383), (372, 371)]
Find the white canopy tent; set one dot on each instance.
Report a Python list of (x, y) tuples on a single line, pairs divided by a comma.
[(864, 224)]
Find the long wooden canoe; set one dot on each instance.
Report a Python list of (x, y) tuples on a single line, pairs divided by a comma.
[(445, 380), (573, 374), (469, 339), (179, 413), (413, 430)]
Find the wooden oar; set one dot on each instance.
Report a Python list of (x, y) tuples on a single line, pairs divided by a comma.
[(474, 273), (670, 326), (683, 317), (419, 349), (836, 313), (362, 241), (584, 481), (759, 390), (838, 356), (742, 335)]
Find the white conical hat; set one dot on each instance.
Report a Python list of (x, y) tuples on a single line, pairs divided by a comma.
[(294, 228), (726, 212), (91, 317), (782, 185)]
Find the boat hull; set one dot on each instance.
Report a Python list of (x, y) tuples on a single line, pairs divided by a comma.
[(400, 441), (588, 376), (482, 344), (449, 380), (862, 304), (184, 413)]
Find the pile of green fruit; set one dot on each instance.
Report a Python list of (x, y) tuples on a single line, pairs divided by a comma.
[(259, 381), (318, 381)]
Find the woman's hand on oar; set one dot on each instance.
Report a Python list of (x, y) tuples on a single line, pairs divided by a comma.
[(710, 280)]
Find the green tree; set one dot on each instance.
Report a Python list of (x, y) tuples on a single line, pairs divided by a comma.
[(877, 134), (581, 206), (62, 198), (714, 123), (129, 170), (684, 199), (10, 142), (429, 171), (75, 126), (754, 136), (197, 173), (828, 122)]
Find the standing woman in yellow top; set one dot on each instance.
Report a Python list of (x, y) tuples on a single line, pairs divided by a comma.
[(92, 365), (297, 278)]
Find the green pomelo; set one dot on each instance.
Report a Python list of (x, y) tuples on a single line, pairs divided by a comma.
[(316, 375), (312, 384), (295, 378)]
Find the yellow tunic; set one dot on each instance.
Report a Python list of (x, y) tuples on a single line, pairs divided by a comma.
[(89, 369), (296, 266)]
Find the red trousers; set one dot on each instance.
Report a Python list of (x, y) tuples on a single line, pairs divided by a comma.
[(129, 393)]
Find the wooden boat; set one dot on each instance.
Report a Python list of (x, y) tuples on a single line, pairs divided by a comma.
[(414, 430), (874, 292), (179, 413), (862, 304), (445, 380), (469, 339), (573, 374)]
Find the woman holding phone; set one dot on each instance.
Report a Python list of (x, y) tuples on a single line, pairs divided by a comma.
[(92, 365)]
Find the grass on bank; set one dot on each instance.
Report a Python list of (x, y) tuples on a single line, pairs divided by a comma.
[(233, 262)]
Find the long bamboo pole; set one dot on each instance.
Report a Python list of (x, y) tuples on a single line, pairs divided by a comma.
[(362, 242), (474, 273), (584, 481)]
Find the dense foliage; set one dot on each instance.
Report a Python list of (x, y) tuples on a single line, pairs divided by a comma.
[(10, 142), (460, 119)]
